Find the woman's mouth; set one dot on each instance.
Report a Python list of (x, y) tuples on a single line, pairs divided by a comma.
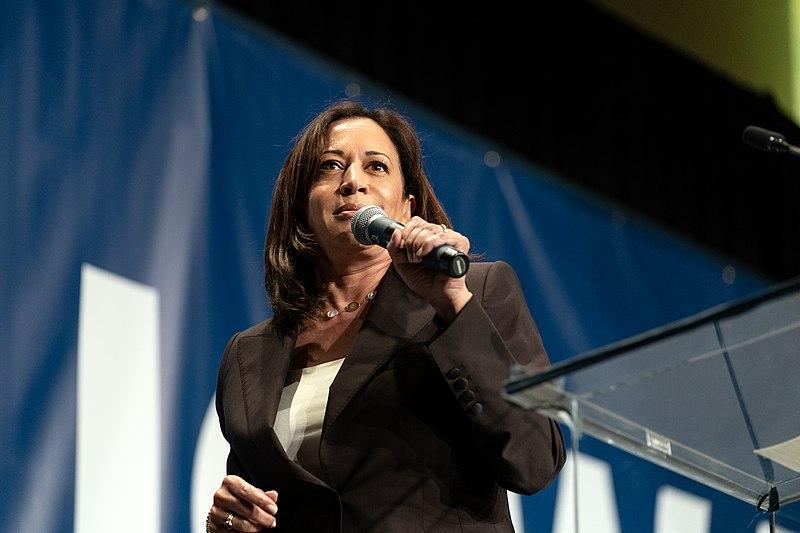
[(346, 211)]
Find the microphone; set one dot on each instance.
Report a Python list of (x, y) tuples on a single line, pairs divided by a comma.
[(370, 225), (769, 141)]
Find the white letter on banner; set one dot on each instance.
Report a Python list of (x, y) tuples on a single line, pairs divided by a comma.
[(763, 527), (117, 469), (515, 509), (597, 509), (678, 511)]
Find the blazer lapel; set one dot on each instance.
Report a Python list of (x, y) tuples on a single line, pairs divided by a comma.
[(264, 361), (397, 315)]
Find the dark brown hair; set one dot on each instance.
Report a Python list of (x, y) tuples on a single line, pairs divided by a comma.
[(291, 247)]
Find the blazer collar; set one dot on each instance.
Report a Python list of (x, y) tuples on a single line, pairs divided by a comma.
[(396, 310)]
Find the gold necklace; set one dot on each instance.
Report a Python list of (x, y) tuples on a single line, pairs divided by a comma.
[(352, 306)]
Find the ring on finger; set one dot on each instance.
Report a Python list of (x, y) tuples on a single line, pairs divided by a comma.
[(228, 521)]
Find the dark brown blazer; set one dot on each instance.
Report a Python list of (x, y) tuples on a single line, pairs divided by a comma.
[(416, 436)]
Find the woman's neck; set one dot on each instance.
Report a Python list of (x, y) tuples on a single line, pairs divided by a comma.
[(350, 280)]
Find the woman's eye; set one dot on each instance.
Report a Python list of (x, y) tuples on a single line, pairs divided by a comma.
[(330, 164), (380, 167)]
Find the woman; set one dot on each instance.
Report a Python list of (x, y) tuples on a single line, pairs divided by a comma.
[(371, 400)]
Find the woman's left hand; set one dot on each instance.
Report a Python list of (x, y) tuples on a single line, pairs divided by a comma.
[(408, 246)]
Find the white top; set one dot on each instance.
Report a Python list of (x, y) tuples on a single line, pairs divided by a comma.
[(301, 411)]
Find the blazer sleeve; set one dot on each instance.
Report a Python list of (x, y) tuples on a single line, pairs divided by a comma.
[(233, 464), (475, 354)]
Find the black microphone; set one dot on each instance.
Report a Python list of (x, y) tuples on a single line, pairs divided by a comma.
[(370, 225), (769, 141)]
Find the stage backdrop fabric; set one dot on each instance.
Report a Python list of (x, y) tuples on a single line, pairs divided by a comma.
[(139, 143)]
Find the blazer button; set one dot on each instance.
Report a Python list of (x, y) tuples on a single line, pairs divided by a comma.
[(466, 396), (476, 409), (454, 373), (460, 384)]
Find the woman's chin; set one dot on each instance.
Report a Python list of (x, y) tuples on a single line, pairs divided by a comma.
[(345, 242)]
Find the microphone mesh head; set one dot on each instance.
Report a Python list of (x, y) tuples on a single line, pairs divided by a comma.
[(359, 224)]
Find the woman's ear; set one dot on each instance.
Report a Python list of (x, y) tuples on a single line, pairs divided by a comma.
[(411, 206)]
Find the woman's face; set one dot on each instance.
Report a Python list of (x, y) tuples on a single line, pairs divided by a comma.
[(359, 166)]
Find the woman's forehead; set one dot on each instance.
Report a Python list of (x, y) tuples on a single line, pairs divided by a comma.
[(363, 133)]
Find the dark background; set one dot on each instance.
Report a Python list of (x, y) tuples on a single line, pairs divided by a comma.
[(578, 91)]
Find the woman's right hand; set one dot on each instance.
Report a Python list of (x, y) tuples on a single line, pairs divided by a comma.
[(249, 508)]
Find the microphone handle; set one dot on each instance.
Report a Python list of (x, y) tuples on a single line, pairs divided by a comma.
[(447, 260), (444, 258)]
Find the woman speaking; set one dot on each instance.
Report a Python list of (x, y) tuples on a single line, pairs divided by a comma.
[(371, 400)]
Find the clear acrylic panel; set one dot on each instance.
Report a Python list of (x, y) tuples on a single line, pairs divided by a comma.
[(715, 397)]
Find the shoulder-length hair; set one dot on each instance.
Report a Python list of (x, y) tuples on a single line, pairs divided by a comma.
[(291, 247)]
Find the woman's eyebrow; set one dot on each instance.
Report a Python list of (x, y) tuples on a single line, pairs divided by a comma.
[(368, 152)]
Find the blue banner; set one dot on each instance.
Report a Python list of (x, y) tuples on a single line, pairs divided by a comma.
[(140, 143)]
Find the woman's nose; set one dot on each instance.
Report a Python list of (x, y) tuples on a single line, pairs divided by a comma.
[(353, 180)]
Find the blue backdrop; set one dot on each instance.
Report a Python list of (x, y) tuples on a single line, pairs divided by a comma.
[(143, 137)]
